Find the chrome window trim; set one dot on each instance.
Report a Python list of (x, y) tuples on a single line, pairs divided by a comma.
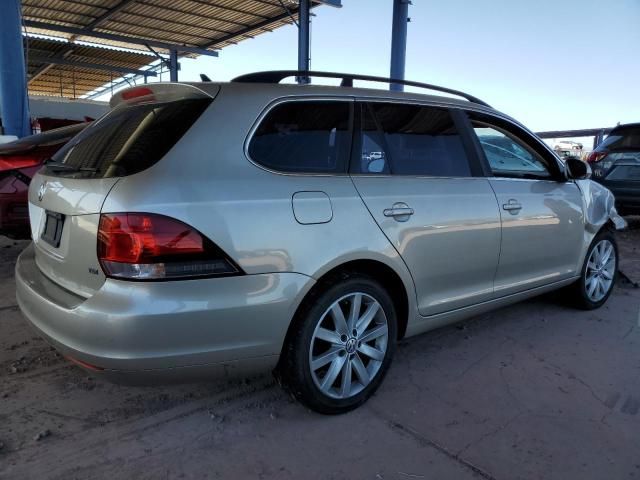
[(382, 99)]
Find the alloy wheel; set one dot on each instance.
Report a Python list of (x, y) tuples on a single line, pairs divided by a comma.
[(600, 271), (348, 345)]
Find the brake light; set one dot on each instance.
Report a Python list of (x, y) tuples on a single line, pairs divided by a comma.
[(138, 93), (144, 246), (595, 157)]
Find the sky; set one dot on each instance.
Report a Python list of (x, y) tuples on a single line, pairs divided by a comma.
[(553, 65)]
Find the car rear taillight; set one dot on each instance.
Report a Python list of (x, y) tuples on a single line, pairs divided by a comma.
[(144, 246), (595, 157)]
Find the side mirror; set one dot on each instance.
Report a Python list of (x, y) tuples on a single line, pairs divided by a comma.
[(577, 169)]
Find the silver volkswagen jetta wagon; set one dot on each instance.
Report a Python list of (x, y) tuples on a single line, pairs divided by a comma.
[(254, 225)]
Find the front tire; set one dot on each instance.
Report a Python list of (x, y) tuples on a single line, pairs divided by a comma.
[(341, 345), (599, 272)]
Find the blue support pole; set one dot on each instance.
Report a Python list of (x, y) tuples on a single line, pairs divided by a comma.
[(173, 65), (399, 42), (13, 84), (303, 39)]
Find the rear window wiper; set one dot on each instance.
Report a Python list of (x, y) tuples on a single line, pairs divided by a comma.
[(70, 168)]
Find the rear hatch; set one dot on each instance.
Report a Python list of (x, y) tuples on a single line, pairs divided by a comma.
[(66, 196), (617, 163)]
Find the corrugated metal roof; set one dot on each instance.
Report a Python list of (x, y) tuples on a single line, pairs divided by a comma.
[(204, 24), (72, 81)]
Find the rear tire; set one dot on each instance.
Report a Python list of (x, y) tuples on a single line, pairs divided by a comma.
[(598, 274), (341, 345)]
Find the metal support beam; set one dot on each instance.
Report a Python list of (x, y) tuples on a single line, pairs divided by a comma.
[(585, 132), (59, 60), (303, 39), (399, 42), (173, 65), (330, 3), (108, 14), (119, 38), (13, 85)]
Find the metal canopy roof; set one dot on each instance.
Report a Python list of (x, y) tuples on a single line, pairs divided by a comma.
[(190, 27), (72, 70)]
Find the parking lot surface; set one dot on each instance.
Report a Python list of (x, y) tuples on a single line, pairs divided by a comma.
[(535, 390)]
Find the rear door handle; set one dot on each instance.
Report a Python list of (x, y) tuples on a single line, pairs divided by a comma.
[(512, 206), (400, 211)]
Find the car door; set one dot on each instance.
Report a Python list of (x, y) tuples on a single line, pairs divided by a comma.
[(541, 212), (412, 168)]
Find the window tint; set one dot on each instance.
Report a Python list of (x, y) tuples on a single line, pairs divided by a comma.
[(623, 138), (373, 157), (508, 156), (129, 139), (412, 140), (304, 136)]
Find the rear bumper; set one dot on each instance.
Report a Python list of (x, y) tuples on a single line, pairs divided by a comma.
[(153, 328)]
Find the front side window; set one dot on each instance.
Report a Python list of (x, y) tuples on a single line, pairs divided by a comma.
[(508, 156), (511, 151), (304, 137), (411, 140)]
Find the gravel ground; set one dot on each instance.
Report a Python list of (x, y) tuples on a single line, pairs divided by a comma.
[(536, 390)]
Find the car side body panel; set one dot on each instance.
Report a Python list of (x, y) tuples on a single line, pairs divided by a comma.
[(538, 241)]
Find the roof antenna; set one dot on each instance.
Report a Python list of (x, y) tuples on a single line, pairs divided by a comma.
[(204, 78)]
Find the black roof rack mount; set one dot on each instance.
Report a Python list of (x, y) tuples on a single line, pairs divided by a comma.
[(276, 76)]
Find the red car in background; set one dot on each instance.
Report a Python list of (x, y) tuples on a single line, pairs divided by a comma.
[(19, 161)]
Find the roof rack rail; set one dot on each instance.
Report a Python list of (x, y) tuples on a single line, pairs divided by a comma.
[(276, 76)]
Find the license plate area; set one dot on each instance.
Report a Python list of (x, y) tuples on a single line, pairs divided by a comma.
[(52, 232)]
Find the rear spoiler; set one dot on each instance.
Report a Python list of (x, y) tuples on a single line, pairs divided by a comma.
[(162, 92)]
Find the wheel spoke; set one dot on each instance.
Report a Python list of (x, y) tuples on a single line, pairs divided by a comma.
[(345, 384), (591, 266), (361, 370), (371, 352), (332, 373), (374, 333), (606, 274), (354, 311), (338, 318), (324, 358), (591, 287), (328, 335), (369, 314), (606, 254)]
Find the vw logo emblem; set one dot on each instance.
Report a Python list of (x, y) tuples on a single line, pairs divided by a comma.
[(351, 345), (41, 190)]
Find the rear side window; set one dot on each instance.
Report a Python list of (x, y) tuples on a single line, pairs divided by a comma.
[(304, 137), (411, 140), (129, 139)]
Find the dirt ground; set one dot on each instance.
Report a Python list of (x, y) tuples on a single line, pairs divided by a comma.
[(536, 390)]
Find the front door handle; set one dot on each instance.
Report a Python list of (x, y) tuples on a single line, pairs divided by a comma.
[(400, 211), (512, 206)]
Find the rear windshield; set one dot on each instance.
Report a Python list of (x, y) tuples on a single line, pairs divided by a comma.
[(127, 140), (623, 138)]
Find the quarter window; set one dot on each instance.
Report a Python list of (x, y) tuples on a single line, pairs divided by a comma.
[(304, 137), (411, 140)]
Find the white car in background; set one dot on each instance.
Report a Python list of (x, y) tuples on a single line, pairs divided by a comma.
[(564, 145)]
